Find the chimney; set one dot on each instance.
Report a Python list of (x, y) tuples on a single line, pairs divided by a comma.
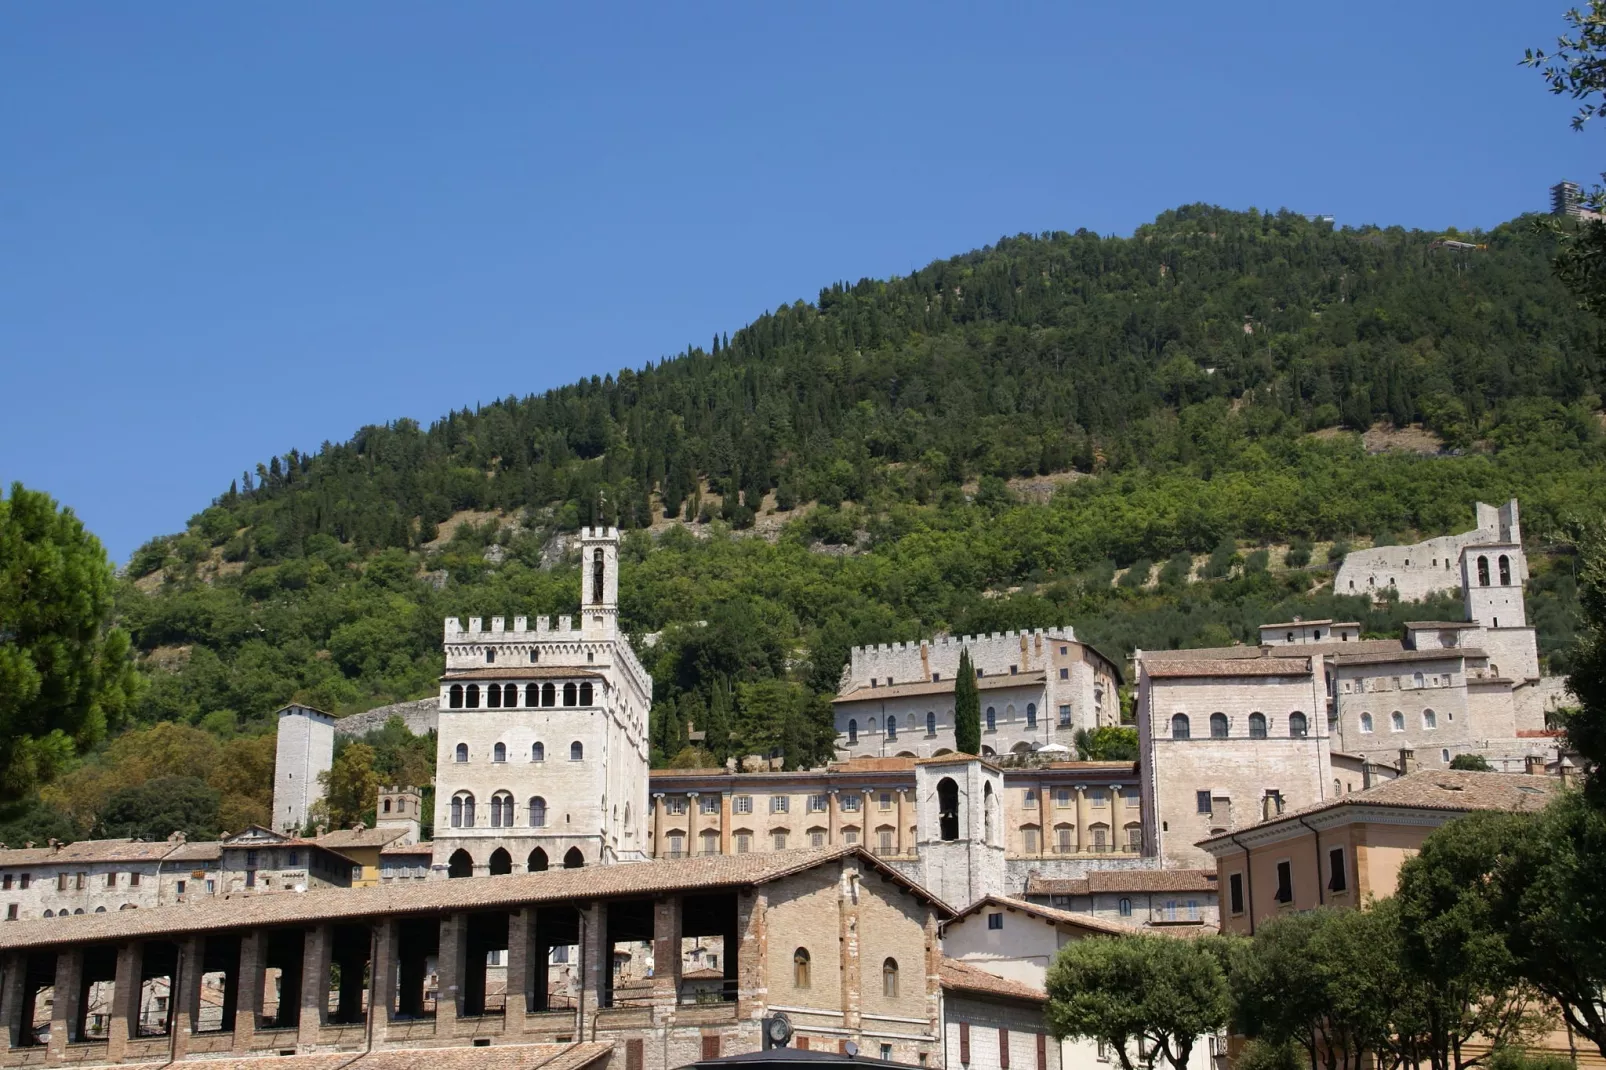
[(1407, 761), (1534, 765)]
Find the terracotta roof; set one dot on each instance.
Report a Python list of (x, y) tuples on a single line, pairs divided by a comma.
[(1300, 623), (200, 851), (1295, 666), (425, 848), (939, 687), (519, 672), (960, 976), (498, 1057), (476, 893), (1441, 624), (1050, 914), (1453, 790), (1112, 881), (343, 839), (1390, 657), (84, 851)]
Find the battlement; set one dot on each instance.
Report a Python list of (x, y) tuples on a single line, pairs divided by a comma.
[(957, 641), (594, 534), (476, 630)]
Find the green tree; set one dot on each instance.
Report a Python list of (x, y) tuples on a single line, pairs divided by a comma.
[(717, 725), (1586, 725), (1145, 997), (351, 787), (1107, 743), (65, 674), (1472, 763), (967, 708), (157, 808)]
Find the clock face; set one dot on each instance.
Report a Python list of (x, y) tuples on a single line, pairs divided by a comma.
[(780, 1030)]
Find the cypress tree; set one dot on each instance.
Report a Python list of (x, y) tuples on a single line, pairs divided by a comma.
[(967, 708), (718, 725)]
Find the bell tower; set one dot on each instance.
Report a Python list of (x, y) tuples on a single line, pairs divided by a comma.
[(599, 582)]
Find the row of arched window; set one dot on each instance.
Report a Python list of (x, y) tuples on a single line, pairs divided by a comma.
[(803, 969), (891, 726), (64, 912), (577, 752), (502, 817), (1220, 727), (506, 696), (461, 864), (1430, 721), (1505, 571)]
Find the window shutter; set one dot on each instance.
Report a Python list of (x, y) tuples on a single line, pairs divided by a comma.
[(964, 1043), (711, 1046), (633, 1054), (802, 1043), (1003, 1048), (1042, 1051)]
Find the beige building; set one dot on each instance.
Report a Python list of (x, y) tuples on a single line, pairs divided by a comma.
[(1158, 898), (994, 1023)]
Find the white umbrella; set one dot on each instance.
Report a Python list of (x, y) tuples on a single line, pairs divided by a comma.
[(1053, 748)]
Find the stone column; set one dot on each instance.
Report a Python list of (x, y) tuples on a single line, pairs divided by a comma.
[(449, 969), (724, 822), (833, 819), (16, 965), (594, 964), (248, 1008), (314, 986), (382, 979), (665, 959), (187, 998), (752, 938), (64, 1010), (657, 824), (866, 799), (1083, 841), (691, 824), (903, 821), (124, 1010), (519, 923), (848, 941)]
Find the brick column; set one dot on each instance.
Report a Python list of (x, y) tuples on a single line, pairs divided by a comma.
[(16, 965), (666, 927), (249, 1006), (314, 986), (382, 979), (657, 824), (691, 824), (64, 1010), (125, 1002), (1083, 841), (187, 1000), (594, 963), (752, 938), (449, 970), (519, 923), (1043, 831), (848, 941), (724, 822)]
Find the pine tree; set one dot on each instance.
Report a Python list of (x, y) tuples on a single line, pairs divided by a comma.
[(967, 708)]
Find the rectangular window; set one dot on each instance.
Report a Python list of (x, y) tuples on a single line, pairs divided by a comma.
[(964, 1043), (1065, 715), (82, 881), (780, 841), (1062, 798), (635, 1052), (1235, 893), (1042, 1051), (1065, 674), (5, 882), (1030, 836), (744, 804), (1103, 1055), (995, 921), (708, 804), (850, 803), (1285, 882), (133, 880), (744, 842), (250, 882), (1201, 801), (27, 879), (710, 1046), (11, 912), (250, 858), (816, 838), (779, 804), (884, 839), (850, 836), (886, 1053), (1062, 902), (674, 806), (1099, 799), (61, 882), (818, 804), (1013, 670), (1028, 799), (1130, 796), (1337, 879)]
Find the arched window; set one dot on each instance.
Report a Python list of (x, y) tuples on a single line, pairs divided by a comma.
[(1179, 726), (1031, 715), (1125, 908), (1366, 722), (1397, 721), (889, 979), (532, 695), (869, 725), (1444, 756), (462, 752), (50, 913), (1298, 727), (537, 812), (992, 719), (1483, 571), (387, 806), (538, 752), (800, 968), (1218, 726), (501, 862), (549, 695), (502, 812), (493, 696), (510, 695), (1338, 786), (536, 863), (931, 724), (1257, 726), (570, 694), (455, 699), (499, 753), (1417, 680), (853, 731), (948, 808), (490, 657), (471, 696), (1430, 719), (892, 728), (577, 752), (573, 859), (596, 576), (1505, 571), (462, 810), (585, 693), (460, 865)]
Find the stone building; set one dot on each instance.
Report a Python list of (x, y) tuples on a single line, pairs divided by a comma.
[(844, 945), (1037, 689), (305, 749), (542, 736), (1157, 898)]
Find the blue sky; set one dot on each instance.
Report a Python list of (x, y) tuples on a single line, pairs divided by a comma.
[(228, 230)]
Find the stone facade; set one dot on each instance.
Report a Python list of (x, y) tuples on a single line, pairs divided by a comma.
[(305, 748), (1037, 689), (1430, 567)]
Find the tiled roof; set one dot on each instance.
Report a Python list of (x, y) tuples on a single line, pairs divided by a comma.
[(939, 687), (1442, 624), (1454, 790), (200, 851), (519, 672), (1389, 657), (467, 893), (425, 848), (1049, 914), (961, 976), (1295, 666), (1114, 881), (85, 851), (1298, 623), (499, 1057), (343, 839)]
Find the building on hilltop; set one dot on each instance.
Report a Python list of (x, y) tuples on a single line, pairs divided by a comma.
[(1037, 689), (542, 740), (1567, 199)]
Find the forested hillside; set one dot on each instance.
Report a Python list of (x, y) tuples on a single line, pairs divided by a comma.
[(836, 473)]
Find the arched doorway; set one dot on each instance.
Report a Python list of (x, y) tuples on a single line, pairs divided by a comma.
[(574, 859), (461, 864), (537, 863), (501, 862), (948, 808)]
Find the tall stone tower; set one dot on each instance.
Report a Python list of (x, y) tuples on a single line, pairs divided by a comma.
[(542, 741), (306, 747), (1493, 571), (960, 802)]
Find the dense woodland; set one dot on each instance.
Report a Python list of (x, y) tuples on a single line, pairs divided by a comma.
[(838, 473)]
